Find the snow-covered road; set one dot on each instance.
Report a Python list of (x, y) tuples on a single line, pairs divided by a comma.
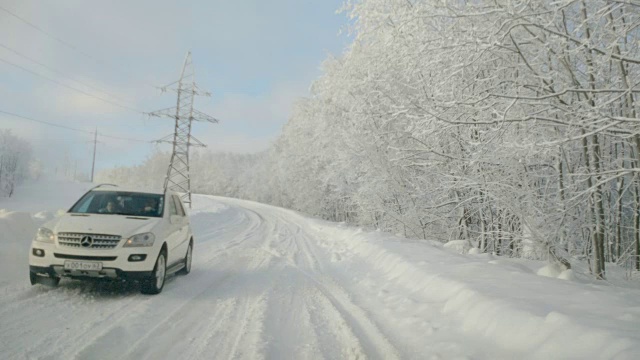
[(270, 283)]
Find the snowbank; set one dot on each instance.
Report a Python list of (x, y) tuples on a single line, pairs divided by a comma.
[(45, 195), (458, 246), (32, 204), (16, 231), (501, 302), (505, 303)]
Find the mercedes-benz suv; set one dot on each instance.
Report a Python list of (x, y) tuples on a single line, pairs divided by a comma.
[(115, 233)]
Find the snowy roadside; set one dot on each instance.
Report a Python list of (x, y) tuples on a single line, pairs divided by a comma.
[(501, 299), (505, 301), (295, 280), (16, 231), (33, 204)]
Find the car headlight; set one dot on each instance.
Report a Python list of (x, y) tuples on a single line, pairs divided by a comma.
[(44, 235), (145, 239)]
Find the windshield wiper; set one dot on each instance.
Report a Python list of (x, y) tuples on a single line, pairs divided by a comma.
[(113, 213)]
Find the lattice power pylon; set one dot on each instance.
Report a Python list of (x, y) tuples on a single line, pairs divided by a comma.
[(184, 114)]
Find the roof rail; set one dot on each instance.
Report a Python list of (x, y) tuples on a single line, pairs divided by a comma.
[(99, 185)]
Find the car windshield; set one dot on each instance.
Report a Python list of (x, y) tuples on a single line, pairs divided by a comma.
[(120, 203)]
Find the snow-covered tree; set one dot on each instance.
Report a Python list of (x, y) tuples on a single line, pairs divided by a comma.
[(510, 125), (15, 157)]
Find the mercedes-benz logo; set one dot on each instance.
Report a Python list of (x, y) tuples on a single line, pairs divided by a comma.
[(86, 241)]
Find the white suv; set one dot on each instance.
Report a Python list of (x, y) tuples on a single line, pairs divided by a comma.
[(115, 233)]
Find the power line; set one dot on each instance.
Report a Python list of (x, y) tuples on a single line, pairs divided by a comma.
[(41, 30), (44, 122), (71, 128), (65, 43), (124, 138), (71, 87), (58, 72)]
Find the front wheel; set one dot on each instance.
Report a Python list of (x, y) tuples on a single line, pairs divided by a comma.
[(187, 261), (49, 281), (154, 284)]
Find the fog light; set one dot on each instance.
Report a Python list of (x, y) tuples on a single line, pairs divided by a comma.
[(137, 257), (38, 252)]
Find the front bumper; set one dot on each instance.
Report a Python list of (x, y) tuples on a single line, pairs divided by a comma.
[(116, 263), (105, 273)]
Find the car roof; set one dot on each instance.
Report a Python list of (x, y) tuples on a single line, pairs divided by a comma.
[(111, 187)]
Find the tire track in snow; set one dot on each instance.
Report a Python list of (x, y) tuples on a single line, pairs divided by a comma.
[(179, 310), (38, 300), (327, 320), (373, 341), (169, 332), (95, 342), (251, 324), (39, 319), (288, 326), (377, 343), (258, 289)]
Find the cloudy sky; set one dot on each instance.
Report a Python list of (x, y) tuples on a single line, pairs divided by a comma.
[(255, 56)]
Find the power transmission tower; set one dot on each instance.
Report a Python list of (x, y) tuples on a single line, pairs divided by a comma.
[(184, 114)]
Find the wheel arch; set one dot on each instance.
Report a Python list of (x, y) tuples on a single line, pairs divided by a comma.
[(164, 248)]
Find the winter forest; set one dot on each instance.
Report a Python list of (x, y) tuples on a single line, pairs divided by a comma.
[(15, 162), (509, 125)]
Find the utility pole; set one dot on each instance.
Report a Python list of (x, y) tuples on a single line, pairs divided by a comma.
[(95, 143), (177, 178)]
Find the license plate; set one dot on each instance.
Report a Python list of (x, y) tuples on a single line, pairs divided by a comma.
[(82, 265)]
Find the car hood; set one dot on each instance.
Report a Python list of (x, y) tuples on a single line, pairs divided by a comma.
[(103, 224)]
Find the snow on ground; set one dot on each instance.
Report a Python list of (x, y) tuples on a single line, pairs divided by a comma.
[(272, 283), (32, 204), (45, 195)]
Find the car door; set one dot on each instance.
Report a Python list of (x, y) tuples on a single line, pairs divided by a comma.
[(183, 234), (173, 236)]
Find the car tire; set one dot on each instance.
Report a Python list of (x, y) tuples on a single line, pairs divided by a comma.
[(154, 284), (33, 277), (49, 281), (187, 260)]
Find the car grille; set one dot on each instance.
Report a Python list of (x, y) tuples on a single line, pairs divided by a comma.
[(81, 257), (88, 241)]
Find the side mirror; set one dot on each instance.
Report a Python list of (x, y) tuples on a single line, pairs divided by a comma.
[(175, 219)]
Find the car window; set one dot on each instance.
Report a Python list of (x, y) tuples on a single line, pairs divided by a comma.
[(83, 204), (172, 208), (120, 203), (179, 205)]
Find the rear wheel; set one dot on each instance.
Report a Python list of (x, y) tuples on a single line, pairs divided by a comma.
[(187, 260), (154, 284)]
